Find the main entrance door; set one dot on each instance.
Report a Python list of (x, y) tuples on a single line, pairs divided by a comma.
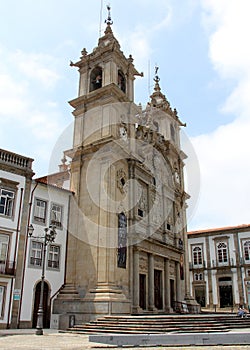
[(226, 293), (46, 307), (158, 289), (142, 301)]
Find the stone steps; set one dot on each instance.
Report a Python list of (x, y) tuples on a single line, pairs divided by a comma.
[(162, 324)]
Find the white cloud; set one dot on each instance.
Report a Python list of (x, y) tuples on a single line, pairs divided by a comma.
[(28, 84), (224, 154), (39, 67)]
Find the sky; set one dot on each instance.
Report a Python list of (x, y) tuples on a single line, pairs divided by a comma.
[(203, 53)]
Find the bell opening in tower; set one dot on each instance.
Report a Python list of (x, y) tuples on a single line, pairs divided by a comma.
[(96, 79)]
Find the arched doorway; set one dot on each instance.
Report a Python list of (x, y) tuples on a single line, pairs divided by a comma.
[(46, 305)]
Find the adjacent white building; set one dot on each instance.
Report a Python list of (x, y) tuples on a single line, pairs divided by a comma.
[(15, 183), (219, 261), (40, 203), (49, 206)]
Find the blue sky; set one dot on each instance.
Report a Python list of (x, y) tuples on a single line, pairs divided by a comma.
[(201, 47)]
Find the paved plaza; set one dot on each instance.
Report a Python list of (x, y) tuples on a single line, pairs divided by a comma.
[(53, 340)]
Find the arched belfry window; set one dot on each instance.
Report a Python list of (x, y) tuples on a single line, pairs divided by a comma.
[(172, 131), (121, 81), (95, 79)]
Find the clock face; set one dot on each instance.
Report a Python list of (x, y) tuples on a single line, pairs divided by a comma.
[(123, 133)]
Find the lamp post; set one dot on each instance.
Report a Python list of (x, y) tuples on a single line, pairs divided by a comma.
[(49, 237)]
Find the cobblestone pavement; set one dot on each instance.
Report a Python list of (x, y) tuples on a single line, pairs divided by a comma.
[(18, 339)]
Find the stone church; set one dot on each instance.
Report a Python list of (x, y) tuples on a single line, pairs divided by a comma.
[(127, 240)]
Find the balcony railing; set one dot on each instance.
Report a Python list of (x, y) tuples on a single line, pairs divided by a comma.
[(15, 160), (7, 268)]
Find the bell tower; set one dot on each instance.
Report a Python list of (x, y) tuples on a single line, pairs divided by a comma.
[(97, 272), (106, 77)]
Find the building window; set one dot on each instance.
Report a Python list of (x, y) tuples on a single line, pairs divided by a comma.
[(248, 273), (247, 250), (198, 277), (2, 293), (53, 256), (36, 253), (222, 252), (4, 242), (40, 210), (197, 256), (7, 202), (56, 215)]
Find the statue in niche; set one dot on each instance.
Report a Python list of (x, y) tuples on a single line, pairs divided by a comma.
[(122, 241)]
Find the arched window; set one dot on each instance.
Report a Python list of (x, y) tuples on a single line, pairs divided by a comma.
[(198, 277), (121, 81), (247, 250), (222, 252), (95, 79), (197, 256)]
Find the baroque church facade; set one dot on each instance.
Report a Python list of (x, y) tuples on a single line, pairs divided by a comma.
[(127, 242)]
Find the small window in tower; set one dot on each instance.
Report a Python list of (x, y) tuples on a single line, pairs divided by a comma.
[(95, 79), (123, 181), (121, 81), (140, 213)]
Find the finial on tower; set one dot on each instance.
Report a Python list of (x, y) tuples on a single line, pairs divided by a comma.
[(109, 20), (156, 78)]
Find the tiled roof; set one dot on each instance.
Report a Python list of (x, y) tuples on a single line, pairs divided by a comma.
[(227, 228)]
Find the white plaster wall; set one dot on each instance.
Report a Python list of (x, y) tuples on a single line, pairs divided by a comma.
[(54, 278)]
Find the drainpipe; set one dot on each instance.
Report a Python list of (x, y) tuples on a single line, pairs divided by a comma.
[(15, 253), (25, 254)]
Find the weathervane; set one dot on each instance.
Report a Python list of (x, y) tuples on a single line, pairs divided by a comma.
[(109, 20), (156, 79)]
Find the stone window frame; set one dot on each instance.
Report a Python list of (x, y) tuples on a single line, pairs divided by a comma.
[(40, 220), (8, 247), (193, 247), (222, 240), (57, 223), (54, 268), (10, 186), (34, 259)]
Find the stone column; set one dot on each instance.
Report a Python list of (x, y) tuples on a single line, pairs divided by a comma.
[(151, 301), (136, 282), (178, 284), (167, 285)]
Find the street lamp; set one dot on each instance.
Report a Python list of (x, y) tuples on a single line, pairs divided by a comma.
[(49, 237)]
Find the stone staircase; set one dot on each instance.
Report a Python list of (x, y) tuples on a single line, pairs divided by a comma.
[(159, 324)]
